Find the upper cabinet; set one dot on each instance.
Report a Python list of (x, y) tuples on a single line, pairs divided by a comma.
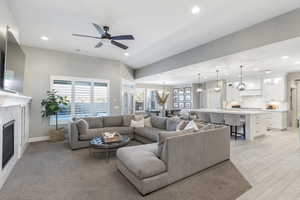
[(274, 88), (253, 87)]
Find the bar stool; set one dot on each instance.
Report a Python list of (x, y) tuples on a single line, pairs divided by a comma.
[(235, 121), (217, 118)]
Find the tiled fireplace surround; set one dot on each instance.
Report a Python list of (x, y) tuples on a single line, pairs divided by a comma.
[(14, 107)]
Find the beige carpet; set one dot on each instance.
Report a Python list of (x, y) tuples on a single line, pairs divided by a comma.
[(50, 171)]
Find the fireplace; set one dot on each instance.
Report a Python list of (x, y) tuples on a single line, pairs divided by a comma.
[(8, 142)]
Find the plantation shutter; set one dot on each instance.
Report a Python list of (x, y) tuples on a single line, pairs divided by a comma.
[(101, 104), (63, 88), (82, 98)]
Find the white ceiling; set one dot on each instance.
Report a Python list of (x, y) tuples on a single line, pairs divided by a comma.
[(161, 27), (255, 62)]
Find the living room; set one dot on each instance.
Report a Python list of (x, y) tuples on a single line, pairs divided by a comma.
[(110, 100)]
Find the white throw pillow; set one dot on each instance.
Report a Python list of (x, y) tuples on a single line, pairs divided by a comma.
[(191, 125), (147, 122), (137, 124)]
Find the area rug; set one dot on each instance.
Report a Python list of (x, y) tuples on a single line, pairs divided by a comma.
[(51, 171)]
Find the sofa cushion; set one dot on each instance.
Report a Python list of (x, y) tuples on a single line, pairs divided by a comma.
[(150, 133), (82, 126), (91, 133), (122, 130), (127, 120), (141, 160), (147, 122), (94, 122), (158, 122), (113, 121), (137, 123), (172, 124)]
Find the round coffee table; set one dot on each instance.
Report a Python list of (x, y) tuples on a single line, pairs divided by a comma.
[(97, 145)]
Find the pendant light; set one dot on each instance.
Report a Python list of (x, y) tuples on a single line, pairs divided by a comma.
[(217, 88), (199, 89), (241, 86)]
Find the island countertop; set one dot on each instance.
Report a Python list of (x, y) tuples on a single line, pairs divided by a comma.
[(230, 111)]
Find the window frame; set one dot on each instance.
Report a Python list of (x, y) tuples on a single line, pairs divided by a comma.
[(78, 79)]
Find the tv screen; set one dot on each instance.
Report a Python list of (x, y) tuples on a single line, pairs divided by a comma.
[(2, 58), (14, 65)]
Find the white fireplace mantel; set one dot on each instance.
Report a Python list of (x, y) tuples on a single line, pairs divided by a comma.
[(14, 107)]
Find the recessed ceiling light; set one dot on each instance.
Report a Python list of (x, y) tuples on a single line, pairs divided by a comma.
[(268, 71), (44, 38), (195, 10), (297, 62), (256, 69), (126, 54), (284, 57)]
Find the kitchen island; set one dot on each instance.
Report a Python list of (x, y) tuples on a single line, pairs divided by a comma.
[(256, 121)]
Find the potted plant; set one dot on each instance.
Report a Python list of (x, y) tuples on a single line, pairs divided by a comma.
[(52, 105)]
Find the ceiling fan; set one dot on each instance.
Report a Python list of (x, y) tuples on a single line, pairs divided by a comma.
[(103, 31)]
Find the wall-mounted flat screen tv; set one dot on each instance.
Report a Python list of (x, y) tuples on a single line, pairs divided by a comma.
[(14, 65), (2, 58)]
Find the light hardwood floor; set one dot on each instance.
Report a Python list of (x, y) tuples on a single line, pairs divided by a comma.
[(271, 164)]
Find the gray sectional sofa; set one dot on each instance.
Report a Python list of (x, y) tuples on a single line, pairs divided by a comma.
[(170, 155), (80, 136)]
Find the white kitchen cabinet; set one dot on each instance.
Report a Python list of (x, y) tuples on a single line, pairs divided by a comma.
[(260, 125), (274, 89), (277, 120)]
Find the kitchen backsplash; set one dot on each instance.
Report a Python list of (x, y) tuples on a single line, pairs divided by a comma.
[(259, 102)]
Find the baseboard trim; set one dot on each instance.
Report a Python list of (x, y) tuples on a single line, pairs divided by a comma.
[(39, 139)]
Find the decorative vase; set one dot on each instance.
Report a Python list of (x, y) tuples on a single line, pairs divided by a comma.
[(163, 111), (57, 135)]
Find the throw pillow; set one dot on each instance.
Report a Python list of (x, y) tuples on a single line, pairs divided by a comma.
[(137, 124), (127, 119), (82, 126), (147, 122), (181, 125), (191, 125)]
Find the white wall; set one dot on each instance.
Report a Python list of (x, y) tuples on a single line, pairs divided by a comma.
[(41, 64)]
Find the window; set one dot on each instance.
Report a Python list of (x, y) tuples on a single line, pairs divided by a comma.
[(140, 99), (152, 104), (88, 97)]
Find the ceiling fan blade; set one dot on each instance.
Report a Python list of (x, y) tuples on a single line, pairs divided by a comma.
[(80, 35), (122, 37), (122, 46), (99, 45), (99, 29)]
